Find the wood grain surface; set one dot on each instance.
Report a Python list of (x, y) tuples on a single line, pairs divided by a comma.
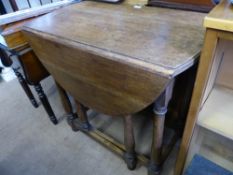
[(164, 40), (105, 85), (114, 58)]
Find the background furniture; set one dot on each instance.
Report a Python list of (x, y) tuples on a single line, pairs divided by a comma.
[(211, 104), (34, 73), (14, 44), (194, 5), (113, 72)]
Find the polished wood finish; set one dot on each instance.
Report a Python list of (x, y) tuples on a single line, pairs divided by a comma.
[(220, 16), (12, 34), (221, 29), (134, 59), (130, 58), (45, 103), (109, 95), (126, 46), (193, 5), (26, 88), (33, 69)]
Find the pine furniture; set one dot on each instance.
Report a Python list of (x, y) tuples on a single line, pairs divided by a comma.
[(211, 104)]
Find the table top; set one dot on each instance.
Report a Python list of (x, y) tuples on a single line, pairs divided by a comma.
[(166, 41), (221, 17)]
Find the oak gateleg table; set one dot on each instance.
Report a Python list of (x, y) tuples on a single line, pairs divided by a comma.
[(117, 60)]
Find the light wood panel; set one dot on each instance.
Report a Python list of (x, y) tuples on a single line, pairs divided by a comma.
[(13, 37), (219, 26), (220, 16), (225, 73), (216, 114), (205, 66), (217, 58)]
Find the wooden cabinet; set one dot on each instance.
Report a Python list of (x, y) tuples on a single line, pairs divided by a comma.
[(210, 113)]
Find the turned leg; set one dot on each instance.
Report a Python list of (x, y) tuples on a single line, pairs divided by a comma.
[(25, 87), (159, 110), (71, 116), (7, 61), (45, 103), (83, 123), (130, 155)]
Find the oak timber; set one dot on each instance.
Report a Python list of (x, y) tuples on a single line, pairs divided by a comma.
[(114, 58), (148, 37)]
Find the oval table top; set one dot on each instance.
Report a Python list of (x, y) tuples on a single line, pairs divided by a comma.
[(166, 41), (116, 59)]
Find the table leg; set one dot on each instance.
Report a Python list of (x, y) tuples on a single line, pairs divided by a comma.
[(71, 116), (45, 103), (26, 89), (83, 123), (159, 110), (130, 155)]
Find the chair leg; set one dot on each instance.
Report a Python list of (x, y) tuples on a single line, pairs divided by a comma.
[(83, 123), (67, 107), (25, 87), (159, 110), (130, 155), (45, 103)]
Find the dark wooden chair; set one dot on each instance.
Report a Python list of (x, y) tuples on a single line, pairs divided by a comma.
[(15, 45), (34, 73)]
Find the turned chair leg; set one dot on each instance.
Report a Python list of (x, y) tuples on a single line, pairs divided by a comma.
[(45, 103), (71, 116), (159, 110), (26, 88), (7, 61), (130, 156), (83, 123)]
